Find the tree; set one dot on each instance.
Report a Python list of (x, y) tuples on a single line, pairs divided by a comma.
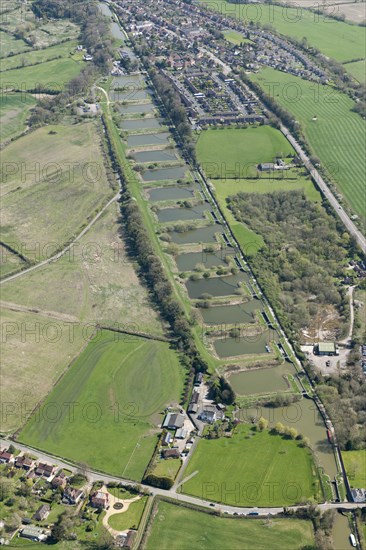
[(279, 428), (262, 424)]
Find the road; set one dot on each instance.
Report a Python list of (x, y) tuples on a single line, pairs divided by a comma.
[(64, 250), (361, 239), (341, 213), (94, 475)]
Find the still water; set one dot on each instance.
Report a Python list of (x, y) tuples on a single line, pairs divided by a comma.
[(164, 155), (204, 234), (182, 214), (140, 140), (174, 173), (216, 286), (230, 314)]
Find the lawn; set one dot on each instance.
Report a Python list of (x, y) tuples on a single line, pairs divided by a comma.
[(54, 173), (129, 519), (355, 464), (357, 70), (14, 111), (119, 387), (252, 469), (167, 468), (337, 39), (337, 136), (235, 153), (51, 76), (178, 528), (235, 37)]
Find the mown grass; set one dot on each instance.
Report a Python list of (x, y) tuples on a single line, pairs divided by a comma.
[(229, 154), (178, 528), (235, 37), (355, 464), (337, 134), (129, 519), (252, 469), (120, 386), (337, 39)]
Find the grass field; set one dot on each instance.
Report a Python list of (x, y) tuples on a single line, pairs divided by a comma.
[(340, 40), (355, 463), (252, 469), (337, 137), (120, 387), (14, 110), (129, 519), (235, 37), (235, 153), (48, 175), (178, 528), (9, 262), (49, 76), (95, 283), (357, 70), (9, 44), (66, 49), (34, 354), (167, 468)]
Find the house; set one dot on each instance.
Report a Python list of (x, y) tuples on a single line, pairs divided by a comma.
[(173, 421), (99, 499), (59, 481), (23, 462), (6, 457), (167, 439), (171, 453), (44, 469), (36, 534), (181, 433), (358, 495), (72, 495), (327, 348), (42, 512), (208, 414)]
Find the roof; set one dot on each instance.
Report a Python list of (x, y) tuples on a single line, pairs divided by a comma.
[(181, 433), (32, 531), (175, 420), (327, 346)]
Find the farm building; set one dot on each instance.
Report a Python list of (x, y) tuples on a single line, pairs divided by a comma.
[(181, 433), (327, 348), (173, 421), (266, 166), (33, 533)]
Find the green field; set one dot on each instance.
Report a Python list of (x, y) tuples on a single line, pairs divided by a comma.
[(53, 173), (11, 45), (14, 110), (66, 49), (252, 469), (342, 41), (178, 528), (129, 519), (337, 137), (357, 70), (51, 76), (355, 464), (120, 388), (235, 37), (235, 153)]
